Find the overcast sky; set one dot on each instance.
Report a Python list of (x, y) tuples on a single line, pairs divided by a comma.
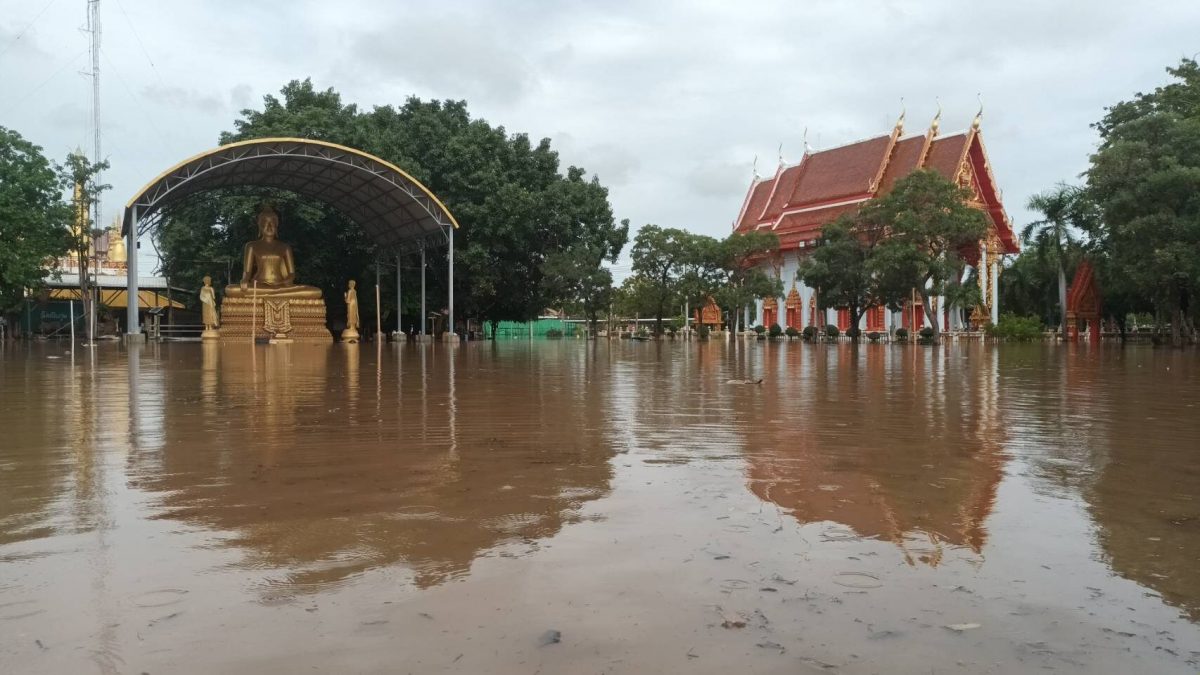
[(668, 102)]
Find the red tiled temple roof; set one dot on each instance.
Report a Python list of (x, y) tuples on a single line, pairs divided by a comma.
[(799, 200)]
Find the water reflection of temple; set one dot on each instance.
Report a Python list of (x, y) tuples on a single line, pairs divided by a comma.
[(886, 443), (323, 462)]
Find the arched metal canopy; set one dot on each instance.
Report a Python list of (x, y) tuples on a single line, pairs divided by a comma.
[(390, 205)]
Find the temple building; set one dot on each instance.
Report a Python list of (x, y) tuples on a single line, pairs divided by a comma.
[(799, 199)]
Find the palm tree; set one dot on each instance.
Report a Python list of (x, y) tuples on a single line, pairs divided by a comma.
[(1052, 235)]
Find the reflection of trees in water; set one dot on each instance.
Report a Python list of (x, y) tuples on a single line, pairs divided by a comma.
[(892, 442), (313, 474), (1145, 496)]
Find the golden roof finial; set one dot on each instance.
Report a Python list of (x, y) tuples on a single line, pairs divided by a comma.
[(781, 154), (807, 147), (937, 119), (979, 115), (754, 168), (900, 120)]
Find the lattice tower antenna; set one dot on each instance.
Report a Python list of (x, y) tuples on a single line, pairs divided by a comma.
[(93, 30)]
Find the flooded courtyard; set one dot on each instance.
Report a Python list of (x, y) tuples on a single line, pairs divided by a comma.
[(564, 507)]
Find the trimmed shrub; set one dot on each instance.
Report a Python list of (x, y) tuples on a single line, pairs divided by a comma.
[(832, 332), (791, 332), (760, 329), (775, 331), (853, 332), (902, 335), (1016, 328), (702, 332), (926, 334), (873, 336), (809, 333), (554, 333)]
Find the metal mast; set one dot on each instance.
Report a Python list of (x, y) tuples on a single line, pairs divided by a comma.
[(93, 29)]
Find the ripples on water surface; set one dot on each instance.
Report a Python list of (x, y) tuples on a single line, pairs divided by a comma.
[(180, 508)]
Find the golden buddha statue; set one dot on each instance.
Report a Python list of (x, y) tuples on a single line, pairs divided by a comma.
[(268, 269)]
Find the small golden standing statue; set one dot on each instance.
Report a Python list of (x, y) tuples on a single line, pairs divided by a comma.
[(208, 309), (350, 335)]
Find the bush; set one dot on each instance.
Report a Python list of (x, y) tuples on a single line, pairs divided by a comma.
[(901, 334), (873, 336), (791, 332), (702, 332), (760, 329), (853, 332), (1016, 328), (809, 333), (926, 334), (775, 331), (832, 332), (554, 333)]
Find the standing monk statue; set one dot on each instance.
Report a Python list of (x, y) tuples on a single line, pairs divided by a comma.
[(268, 269), (208, 310), (352, 321)]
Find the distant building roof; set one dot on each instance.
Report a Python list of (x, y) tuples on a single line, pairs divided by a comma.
[(800, 199)]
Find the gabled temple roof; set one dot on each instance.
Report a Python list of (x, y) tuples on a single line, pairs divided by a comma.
[(800, 199)]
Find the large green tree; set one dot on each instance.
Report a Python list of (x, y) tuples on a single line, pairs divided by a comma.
[(515, 207), (743, 280), (577, 278), (1145, 181), (33, 218), (80, 176), (659, 256), (838, 267), (928, 222)]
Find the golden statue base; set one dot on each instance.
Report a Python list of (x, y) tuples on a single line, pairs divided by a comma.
[(350, 336), (274, 320), (210, 334)]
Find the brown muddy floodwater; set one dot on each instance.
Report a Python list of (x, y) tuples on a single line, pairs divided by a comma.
[(880, 509)]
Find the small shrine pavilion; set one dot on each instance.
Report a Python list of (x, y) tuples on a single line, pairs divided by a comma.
[(799, 199)]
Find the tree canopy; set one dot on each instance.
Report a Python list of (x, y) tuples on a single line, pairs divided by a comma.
[(928, 222), (33, 218), (1145, 182)]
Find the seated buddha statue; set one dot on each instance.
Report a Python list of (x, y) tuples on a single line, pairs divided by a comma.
[(268, 269)]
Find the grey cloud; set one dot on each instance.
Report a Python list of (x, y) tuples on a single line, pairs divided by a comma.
[(180, 97)]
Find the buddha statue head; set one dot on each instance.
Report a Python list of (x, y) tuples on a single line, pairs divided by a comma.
[(268, 223)]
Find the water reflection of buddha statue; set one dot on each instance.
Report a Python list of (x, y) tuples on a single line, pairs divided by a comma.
[(268, 269)]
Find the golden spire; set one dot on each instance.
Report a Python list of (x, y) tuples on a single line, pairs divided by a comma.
[(807, 147), (979, 115), (781, 154), (937, 119), (754, 168), (900, 120), (116, 244)]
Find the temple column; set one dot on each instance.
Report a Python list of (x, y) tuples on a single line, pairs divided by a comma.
[(982, 269), (994, 286)]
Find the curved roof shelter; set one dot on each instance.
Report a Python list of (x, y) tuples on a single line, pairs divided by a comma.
[(390, 205)]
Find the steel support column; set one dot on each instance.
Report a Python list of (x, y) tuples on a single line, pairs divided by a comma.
[(450, 328), (424, 314), (399, 304), (131, 280)]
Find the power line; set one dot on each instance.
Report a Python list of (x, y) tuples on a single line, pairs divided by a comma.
[(46, 81), (141, 45), (124, 85), (27, 27)]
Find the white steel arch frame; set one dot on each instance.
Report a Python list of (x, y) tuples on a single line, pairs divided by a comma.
[(393, 208)]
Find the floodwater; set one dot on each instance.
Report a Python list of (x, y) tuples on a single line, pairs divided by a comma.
[(407, 509)]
